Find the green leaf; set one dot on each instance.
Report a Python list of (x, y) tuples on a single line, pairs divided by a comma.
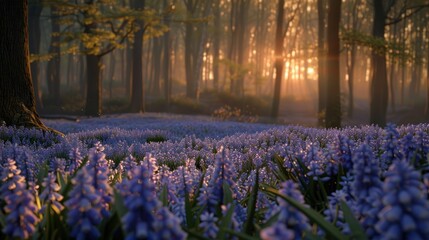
[(314, 216), (357, 231), (164, 196), (251, 206), (225, 223), (227, 193), (119, 204), (240, 235)]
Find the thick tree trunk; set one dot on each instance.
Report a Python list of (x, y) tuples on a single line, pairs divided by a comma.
[(17, 105), (93, 87), (321, 61), (35, 10), (137, 96), (279, 62), (333, 106), (379, 88)]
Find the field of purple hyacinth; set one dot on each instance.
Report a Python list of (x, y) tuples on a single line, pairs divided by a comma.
[(165, 177)]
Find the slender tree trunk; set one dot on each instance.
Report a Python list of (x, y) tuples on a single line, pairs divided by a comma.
[(392, 75), (216, 45), (350, 73), (333, 106), (379, 88), (35, 10), (17, 105), (156, 62), (279, 62), (427, 79), (94, 87), (54, 64), (321, 61), (137, 96), (189, 61), (167, 51)]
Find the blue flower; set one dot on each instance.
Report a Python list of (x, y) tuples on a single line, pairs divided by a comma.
[(390, 147), (75, 160), (366, 187), (211, 195), (277, 231), (405, 210), (142, 203), (98, 168), (21, 210), (208, 223), (292, 219), (84, 207), (50, 195), (167, 226)]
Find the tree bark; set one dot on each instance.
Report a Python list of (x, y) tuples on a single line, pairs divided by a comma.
[(279, 62), (137, 93), (333, 106), (17, 104), (53, 70), (167, 50), (35, 10), (321, 61), (93, 87), (379, 88)]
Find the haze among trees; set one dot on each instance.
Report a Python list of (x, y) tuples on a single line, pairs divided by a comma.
[(331, 61)]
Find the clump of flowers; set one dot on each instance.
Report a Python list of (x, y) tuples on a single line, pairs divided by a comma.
[(50, 195), (21, 210), (145, 217), (404, 208), (84, 213), (291, 223)]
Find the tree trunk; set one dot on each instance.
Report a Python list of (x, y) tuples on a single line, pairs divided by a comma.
[(279, 61), (333, 106), (17, 104), (167, 48), (53, 70), (94, 86), (216, 45), (156, 63), (137, 96), (321, 61), (189, 61), (35, 10), (379, 88)]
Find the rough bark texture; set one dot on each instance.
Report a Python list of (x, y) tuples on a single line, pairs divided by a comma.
[(137, 98), (378, 90), (279, 63), (333, 106), (17, 105)]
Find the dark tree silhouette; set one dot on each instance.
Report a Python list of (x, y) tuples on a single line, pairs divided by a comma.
[(333, 105), (137, 99), (279, 62), (17, 104), (321, 52)]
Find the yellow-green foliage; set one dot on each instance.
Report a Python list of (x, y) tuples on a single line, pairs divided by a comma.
[(99, 27)]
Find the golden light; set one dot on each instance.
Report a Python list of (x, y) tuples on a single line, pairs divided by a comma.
[(310, 71)]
